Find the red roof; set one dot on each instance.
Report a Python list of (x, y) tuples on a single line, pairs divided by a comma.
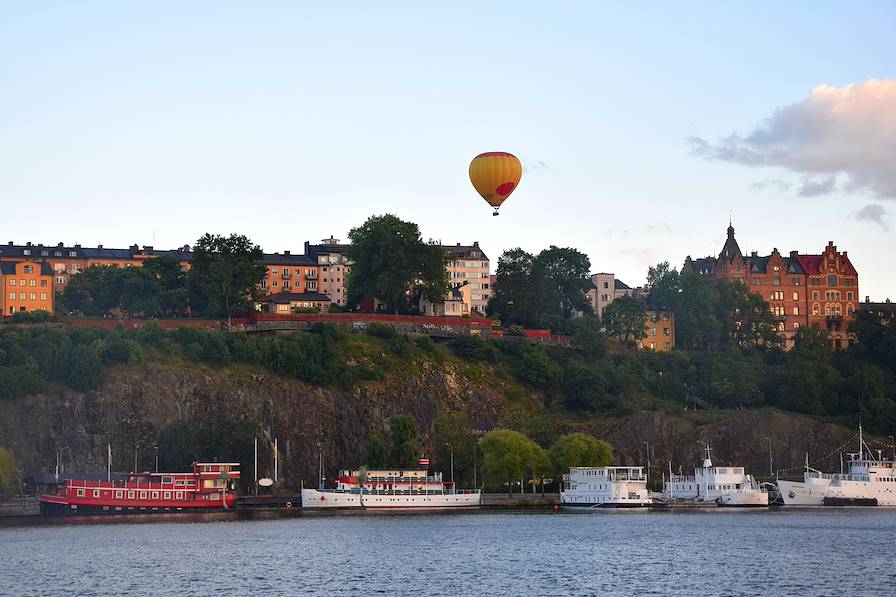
[(812, 264)]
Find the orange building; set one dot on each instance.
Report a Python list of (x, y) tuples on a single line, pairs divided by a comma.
[(27, 286), (659, 327), (289, 273)]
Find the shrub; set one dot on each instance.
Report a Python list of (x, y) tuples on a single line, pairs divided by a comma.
[(379, 330)]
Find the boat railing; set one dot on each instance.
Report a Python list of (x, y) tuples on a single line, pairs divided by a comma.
[(358, 491), (813, 474)]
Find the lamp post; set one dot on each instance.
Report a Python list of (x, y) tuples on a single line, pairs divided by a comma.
[(647, 477), (770, 466), (451, 451)]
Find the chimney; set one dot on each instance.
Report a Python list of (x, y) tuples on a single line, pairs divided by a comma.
[(99, 246), (133, 248), (475, 243), (10, 243), (754, 254), (286, 253), (793, 254), (77, 246), (28, 244), (147, 248), (59, 245), (867, 299)]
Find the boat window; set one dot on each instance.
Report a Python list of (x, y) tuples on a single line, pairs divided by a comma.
[(130, 495), (143, 495), (119, 495), (80, 493), (178, 495), (155, 495), (96, 493), (166, 479)]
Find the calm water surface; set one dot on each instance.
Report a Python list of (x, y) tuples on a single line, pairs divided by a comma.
[(714, 552)]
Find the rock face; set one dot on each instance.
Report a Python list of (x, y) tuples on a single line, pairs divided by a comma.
[(134, 405)]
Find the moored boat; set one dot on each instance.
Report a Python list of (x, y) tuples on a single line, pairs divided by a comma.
[(605, 487), (210, 486), (391, 490), (869, 482), (715, 485)]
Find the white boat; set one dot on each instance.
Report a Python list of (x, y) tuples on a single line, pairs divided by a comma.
[(605, 487), (716, 485), (869, 482), (390, 490)]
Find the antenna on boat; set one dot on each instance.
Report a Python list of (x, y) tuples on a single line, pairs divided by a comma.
[(109, 463)]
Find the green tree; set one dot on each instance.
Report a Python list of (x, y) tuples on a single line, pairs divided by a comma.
[(875, 330), (664, 283), (566, 270), (452, 434), (626, 318), (9, 473), (376, 451), (508, 455), (697, 326), (404, 441), (579, 449), (745, 316), (392, 263), (173, 294), (225, 275)]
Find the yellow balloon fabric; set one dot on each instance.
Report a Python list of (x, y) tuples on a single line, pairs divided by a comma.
[(495, 175)]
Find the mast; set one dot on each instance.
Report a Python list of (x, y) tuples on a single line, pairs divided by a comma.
[(861, 441), (109, 463)]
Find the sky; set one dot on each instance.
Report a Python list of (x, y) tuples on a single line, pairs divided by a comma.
[(641, 127)]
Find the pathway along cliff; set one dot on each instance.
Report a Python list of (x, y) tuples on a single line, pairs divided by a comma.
[(137, 404)]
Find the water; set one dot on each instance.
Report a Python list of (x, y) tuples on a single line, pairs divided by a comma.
[(712, 552)]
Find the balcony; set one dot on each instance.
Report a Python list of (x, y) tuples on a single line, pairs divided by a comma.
[(311, 274), (286, 275)]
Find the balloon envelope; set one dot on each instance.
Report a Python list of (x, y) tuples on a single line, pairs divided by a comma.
[(495, 175)]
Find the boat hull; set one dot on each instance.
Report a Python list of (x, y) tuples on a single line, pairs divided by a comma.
[(314, 499), (605, 505), (61, 506)]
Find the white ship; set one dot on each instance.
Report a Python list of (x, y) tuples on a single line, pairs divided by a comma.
[(390, 490), (719, 485), (605, 487), (869, 482)]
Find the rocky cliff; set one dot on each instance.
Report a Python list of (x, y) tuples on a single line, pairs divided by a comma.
[(136, 403)]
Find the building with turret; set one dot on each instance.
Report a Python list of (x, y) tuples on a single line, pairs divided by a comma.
[(801, 289)]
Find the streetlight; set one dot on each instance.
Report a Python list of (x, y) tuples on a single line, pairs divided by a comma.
[(647, 477), (770, 471), (320, 468), (451, 451)]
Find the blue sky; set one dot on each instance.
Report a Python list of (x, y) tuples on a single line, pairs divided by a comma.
[(287, 122)]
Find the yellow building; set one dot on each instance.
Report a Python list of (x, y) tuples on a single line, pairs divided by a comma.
[(659, 326), (27, 286), (468, 264)]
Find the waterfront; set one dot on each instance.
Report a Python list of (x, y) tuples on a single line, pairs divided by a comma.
[(749, 552)]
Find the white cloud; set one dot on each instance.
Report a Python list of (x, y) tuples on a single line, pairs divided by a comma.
[(838, 137), (874, 213)]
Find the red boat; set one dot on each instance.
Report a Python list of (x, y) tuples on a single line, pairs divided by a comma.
[(211, 486)]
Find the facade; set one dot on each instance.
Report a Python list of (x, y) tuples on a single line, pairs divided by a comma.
[(333, 267), (801, 289), (660, 329), (27, 286), (288, 273), (458, 303), (286, 303), (468, 264)]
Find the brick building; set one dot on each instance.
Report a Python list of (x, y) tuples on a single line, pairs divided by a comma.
[(800, 289)]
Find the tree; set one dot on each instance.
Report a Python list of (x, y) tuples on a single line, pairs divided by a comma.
[(225, 275), (625, 318), (173, 297), (391, 263), (452, 435), (376, 451), (745, 316), (875, 330), (566, 270), (507, 455), (697, 327), (579, 449), (532, 291), (9, 473), (404, 441), (665, 285)]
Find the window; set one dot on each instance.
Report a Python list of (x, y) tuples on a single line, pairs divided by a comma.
[(167, 495), (12, 282), (815, 309), (666, 331), (796, 310), (12, 296), (21, 282), (777, 279), (796, 296), (80, 493), (143, 495), (29, 269), (275, 283), (849, 295), (155, 495), (814, 295), (273, 271), (667, 345), (795, 281), (832, 280), (130, 495), (21, 296), (777, 295), (178, 495), (796, 325), (60, 279), (43, 296), (26, 252), (119, 495), (72, 253), (32, 296), (32, 282), (96, 493), (43, 283)]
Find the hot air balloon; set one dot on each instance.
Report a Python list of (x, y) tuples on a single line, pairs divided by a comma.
[(495, 175)]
